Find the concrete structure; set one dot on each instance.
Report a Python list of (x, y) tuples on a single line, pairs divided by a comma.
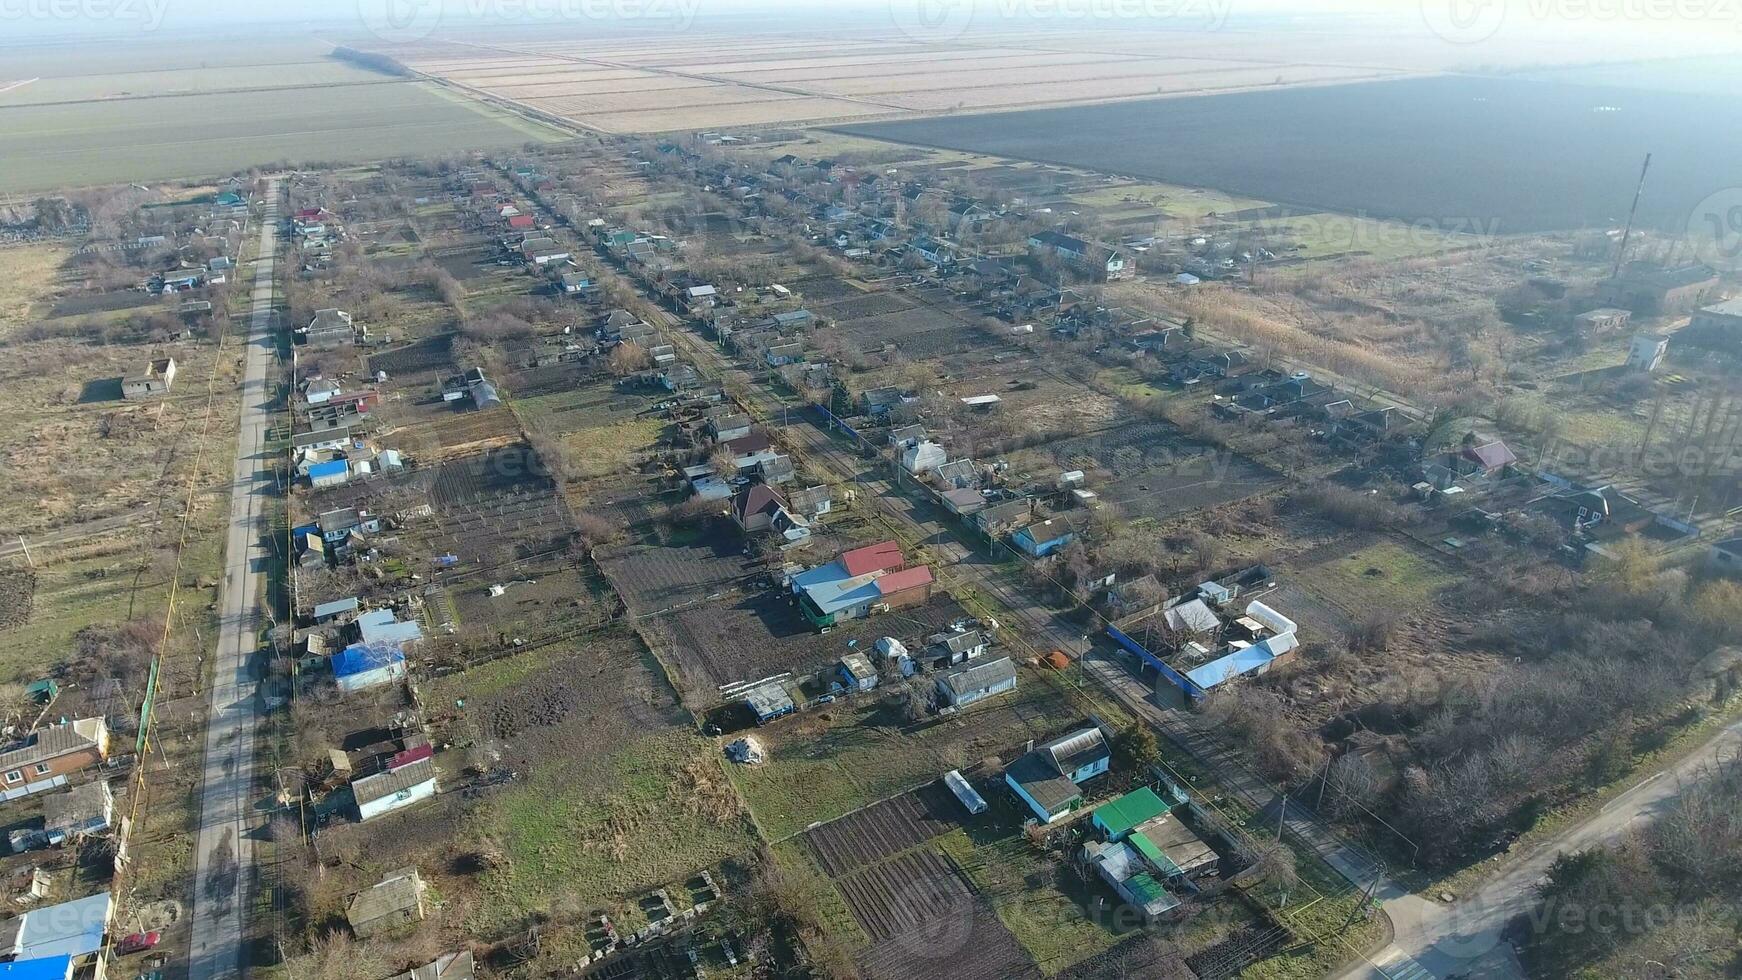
[(1646, 288), (87, 810), (156, 380), (1647, 352)]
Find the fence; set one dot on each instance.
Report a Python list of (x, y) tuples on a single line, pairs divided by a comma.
[(1174, 677)]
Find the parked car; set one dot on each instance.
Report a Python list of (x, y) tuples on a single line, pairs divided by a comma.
[(139, 942)]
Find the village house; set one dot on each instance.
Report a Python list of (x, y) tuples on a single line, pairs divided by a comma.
[(361, 666), (48, 755), (159, 374), (859, 582), (395, 901), (1048, 776), (1099, 261), (331, 328), (395, 789), (1044, 538), (975, 681), (811, 502)]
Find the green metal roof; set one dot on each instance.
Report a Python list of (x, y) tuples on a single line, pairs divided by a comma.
[(1136, 807), (1144, 888)]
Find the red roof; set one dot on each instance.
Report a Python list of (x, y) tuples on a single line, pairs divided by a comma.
[(520, 221), (755, 442), (416, 753), (311, 212), (1491, 456), (883, 556), (907, 578)]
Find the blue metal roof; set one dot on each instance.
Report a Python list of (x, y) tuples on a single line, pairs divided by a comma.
[(379, 626), (336, 467), (335, 607), (42, 968), (360, 658)]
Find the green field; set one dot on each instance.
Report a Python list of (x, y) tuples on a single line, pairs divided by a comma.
[(106, 141), (189, 81)]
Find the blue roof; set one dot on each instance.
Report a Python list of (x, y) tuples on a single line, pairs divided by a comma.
[(335, 607), (336, 467), (42, 968), (379, 626), (360, 658), (833, 596), (1233, 665)]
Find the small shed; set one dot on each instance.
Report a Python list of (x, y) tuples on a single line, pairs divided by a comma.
[(395, 901)]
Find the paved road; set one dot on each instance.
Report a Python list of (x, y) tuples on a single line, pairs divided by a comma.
[(225, 853), (1436, 940)]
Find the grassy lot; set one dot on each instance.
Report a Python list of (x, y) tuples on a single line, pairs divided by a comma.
[(1038, 898), (597, 825), (1383, 575), (1126, 383), (185, 136), (795, 861), (27, 276), (608, 448), (834, 761)]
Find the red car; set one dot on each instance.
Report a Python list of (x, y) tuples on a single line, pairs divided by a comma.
[(139, 942)]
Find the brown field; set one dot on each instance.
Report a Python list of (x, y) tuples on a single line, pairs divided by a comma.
[(673, 83)]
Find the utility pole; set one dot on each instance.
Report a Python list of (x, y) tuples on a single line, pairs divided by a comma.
[(1627, 232), (26, 549)]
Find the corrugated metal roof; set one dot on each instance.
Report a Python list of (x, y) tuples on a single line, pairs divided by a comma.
[(381, 785)]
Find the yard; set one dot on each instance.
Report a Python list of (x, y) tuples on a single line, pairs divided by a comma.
[(832, 760), (1386, 575)]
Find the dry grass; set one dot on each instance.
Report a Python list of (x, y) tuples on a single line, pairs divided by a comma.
[(27, 278)]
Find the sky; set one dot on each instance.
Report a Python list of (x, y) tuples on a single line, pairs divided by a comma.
[(1708, 23)]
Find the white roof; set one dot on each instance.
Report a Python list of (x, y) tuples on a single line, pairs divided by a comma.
[(1193, 617), (70, 929), (981, 400)]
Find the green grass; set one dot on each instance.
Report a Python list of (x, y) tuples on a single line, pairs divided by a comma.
[(831, 909), (587, 832), (1045, 905), (101, 142), (1383, 575), (1126, 383), (855, 762)]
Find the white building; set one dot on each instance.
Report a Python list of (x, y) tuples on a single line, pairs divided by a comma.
[(394, 790)]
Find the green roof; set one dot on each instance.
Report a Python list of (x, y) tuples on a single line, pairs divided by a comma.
[(1144, 888), (1151, 853), (1120, 816)]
